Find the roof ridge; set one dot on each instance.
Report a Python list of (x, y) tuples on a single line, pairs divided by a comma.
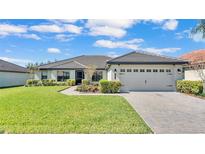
[(155, 54), (13, 64), (62, 60), (121, 56), (80, 63)]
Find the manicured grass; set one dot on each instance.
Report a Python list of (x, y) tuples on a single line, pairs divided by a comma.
[(44, 110)]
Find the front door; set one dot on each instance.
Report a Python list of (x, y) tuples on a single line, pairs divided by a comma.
[(79, 75)]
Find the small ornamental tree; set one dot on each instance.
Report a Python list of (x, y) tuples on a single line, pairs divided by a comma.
[(32, 67), (89, 71)]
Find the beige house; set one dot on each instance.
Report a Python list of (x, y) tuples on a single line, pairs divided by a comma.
[(138, 71)]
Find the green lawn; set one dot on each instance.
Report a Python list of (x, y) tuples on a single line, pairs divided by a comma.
[(44, 110)]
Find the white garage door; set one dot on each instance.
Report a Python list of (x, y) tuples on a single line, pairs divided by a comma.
[(147, 80)]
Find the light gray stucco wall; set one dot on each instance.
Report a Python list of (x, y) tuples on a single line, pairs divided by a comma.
[(193, 74), (8, 79)]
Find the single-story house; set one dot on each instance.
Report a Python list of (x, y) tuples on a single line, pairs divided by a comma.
[(195, 70), (12, 75), (139, 71)]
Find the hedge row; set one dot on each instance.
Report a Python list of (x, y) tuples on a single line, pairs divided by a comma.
[(49, 82), (109, 86), (190, 87)]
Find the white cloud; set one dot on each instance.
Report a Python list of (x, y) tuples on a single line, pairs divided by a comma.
[(108, 31), (64, 37), (72, 29), (118, 23), (112, 54), (160, 50), (134, 44), (68, 20), (56, 28), (17, 61), (184, 34), (130, 44), (29, 36), (198, 37), (113, 28), (6, 29), (47, 28), (53, 50), (170, 24)]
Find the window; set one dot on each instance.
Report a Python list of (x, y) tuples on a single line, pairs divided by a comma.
[(122, 70), (141, 70), (155, 70), (129, 70), (149, 70), (62, 76), (97, 76), (168, 70), (161, 70), (135, 70), (115, 76), (44, 75)]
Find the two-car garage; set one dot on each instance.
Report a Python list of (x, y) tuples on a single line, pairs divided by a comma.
[(139, 71)]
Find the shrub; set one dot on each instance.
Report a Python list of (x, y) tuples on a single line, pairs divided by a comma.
[(104, 86), (32, 82), (61, 83), (190, 87), (88, 88), (85, 82), (48, 82), (109, 86), (71, 82)]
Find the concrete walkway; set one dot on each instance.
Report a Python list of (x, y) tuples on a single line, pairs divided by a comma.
[(169, 112)]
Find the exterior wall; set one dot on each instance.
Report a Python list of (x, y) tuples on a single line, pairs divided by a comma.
[(193, 75), (133, 76), (8, 79), (52, 74)]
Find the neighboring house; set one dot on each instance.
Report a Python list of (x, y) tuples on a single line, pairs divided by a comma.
[(195, 70), (136, 70), (12, 75)]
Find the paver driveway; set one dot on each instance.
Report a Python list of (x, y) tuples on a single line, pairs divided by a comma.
[(169, 112)]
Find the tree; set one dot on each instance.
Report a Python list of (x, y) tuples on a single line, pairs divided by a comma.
[(33, 67), (89, 71), (200, 28)]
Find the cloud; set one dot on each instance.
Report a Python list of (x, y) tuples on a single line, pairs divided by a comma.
[(198, 37), (56, 28), (113, 54), (17, 61), (130, 44), (112, 28), (64, 37), (107, 31), (6, 29), (29, 36), (54, 50), (134, 44), (184, 34), (68, 20), (72, 29), (47, 28), (160, 50), (170, 24)]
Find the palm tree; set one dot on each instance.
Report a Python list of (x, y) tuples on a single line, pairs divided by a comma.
[(33, 67), (200, 28)]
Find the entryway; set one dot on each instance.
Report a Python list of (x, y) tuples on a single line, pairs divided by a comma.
[(79, 75)]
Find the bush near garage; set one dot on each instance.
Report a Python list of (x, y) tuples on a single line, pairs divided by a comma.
[(190, 87), (88, 88), (85, 82), (109, 86), (71, 82)]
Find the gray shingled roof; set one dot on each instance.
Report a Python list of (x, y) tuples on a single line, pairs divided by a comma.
[(10, 67), (78, 62), (145, 58)]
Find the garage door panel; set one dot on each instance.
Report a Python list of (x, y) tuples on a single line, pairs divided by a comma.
[(144, 81)]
